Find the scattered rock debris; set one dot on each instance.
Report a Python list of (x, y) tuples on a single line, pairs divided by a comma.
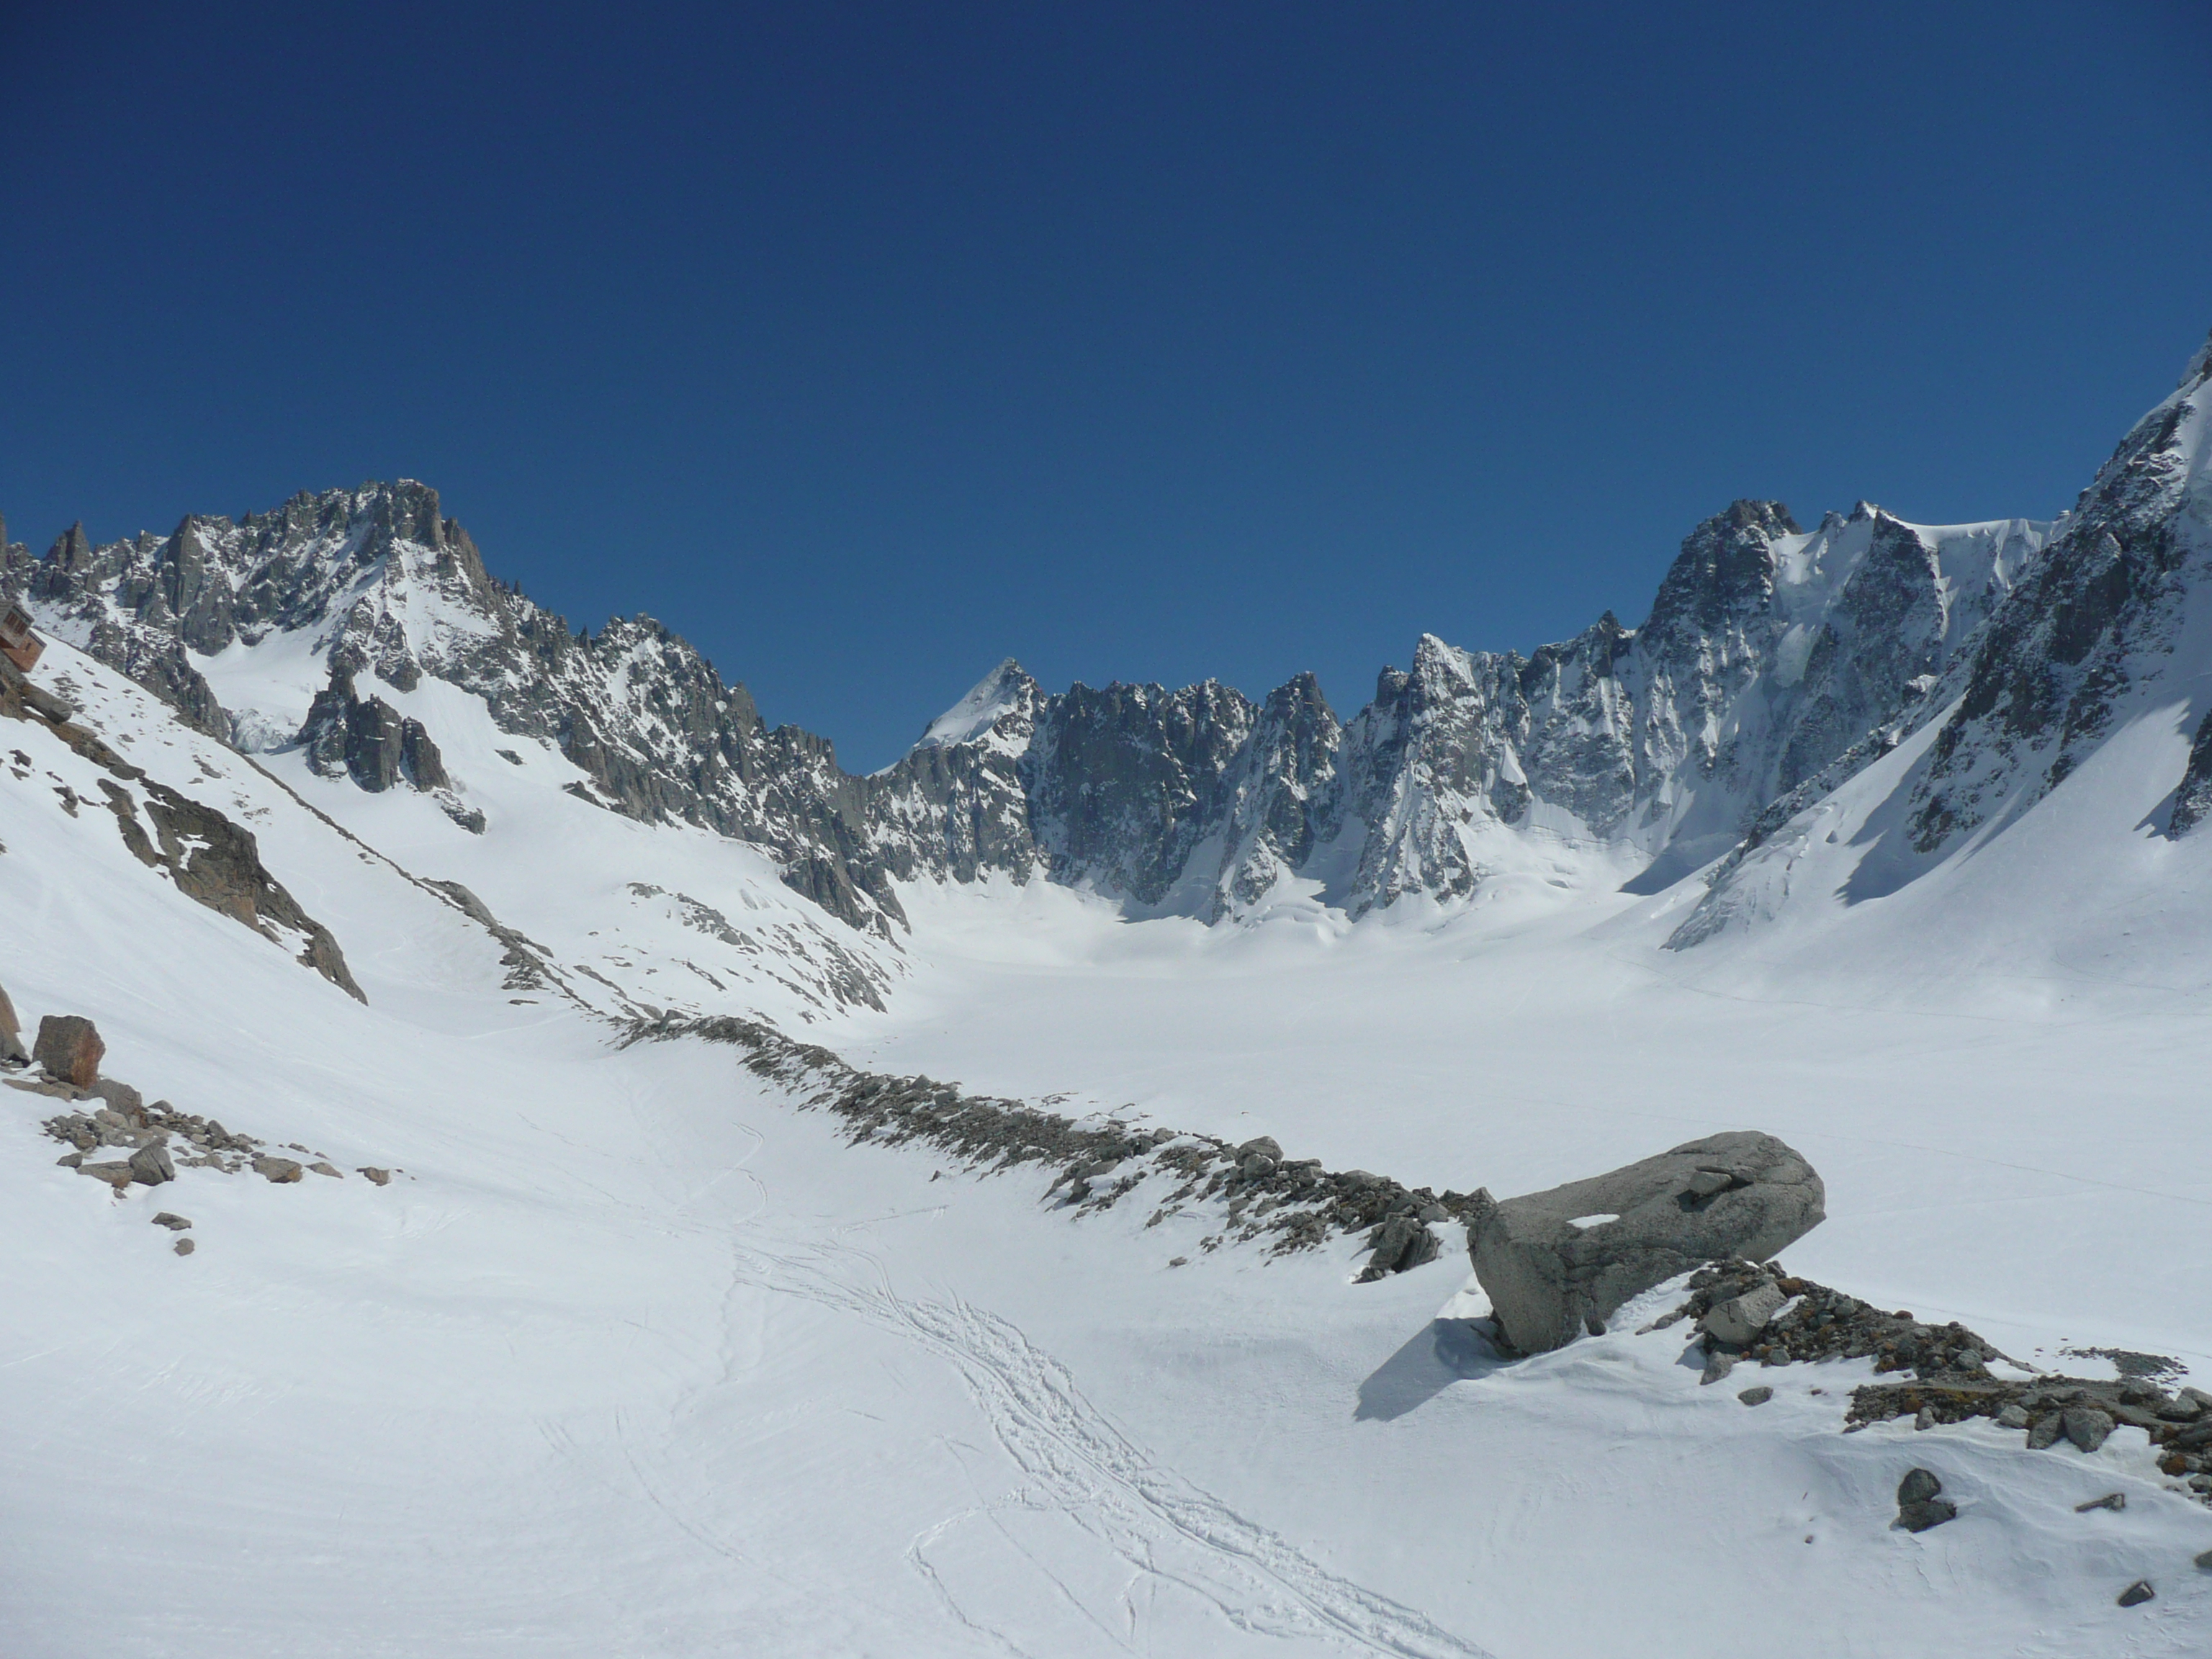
[(1292, 1202), (2128, 1363), (1950, 1377), (157, 1139)]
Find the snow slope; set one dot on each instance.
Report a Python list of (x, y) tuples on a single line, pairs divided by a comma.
[(633, 1358)]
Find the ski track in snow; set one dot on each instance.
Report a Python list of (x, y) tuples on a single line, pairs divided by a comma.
[(1164, 1527)]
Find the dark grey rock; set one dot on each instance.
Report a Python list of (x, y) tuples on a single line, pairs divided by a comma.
[(1918, 1518), (2044, 1432), (1400, 1244), (118, 1176), (2110, 1500), (279, 1170), (2204, 1561), (1758, 1396), (1265, 1146), (1919, 1506), (121, 1099), (2086, 1426), (2137, 1593), (379, 1177), (1718, 1364), (321, 1168), (151, 1166), (2014, 1416), (1544, 1275), (184, 1247), (1256, 1166), (175, 1224)]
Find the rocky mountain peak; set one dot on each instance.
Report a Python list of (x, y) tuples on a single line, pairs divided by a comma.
[(1006, 691)]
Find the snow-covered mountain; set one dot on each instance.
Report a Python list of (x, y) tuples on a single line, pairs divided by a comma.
[(2089, 682), (1769, 652)]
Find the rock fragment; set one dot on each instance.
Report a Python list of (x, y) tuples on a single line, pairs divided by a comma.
[(150, 1165), (185, 1247), (321, 1168), (2110, 1500), (379, 1177), (1758, 1396), (117, 1175), (2086, 1426), (122, 1099), (279, 1170), (69, 1047), (175, 1224), (1400, 1242), (1920, 1503), (2137, 1593), (1738, 1320)]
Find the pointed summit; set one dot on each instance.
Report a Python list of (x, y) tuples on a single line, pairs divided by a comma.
[(1001, 692)]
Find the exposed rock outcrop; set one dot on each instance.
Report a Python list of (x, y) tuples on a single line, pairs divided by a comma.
[(12, 1051), (347, 735)]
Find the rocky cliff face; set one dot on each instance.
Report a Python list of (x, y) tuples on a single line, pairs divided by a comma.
[(2095, 636), (1769, 653), (2093, 630)]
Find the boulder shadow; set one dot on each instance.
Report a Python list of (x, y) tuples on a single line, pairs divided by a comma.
[(1442, 1352)]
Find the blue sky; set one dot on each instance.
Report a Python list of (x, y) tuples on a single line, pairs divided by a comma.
[(867, 344)]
